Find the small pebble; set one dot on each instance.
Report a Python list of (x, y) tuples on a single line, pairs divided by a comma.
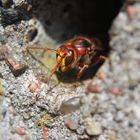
[(111, 135), (131, 11), (3, 52), (16, 69), (115, 91), (138, 62), (71, 123), (136, 111), (26, 116), (45, 133), (33, 87), (92, 128), (26, 137), (20, 131), (29, 8), (101, 75), (42, 78), (70, 105), (93, 87)]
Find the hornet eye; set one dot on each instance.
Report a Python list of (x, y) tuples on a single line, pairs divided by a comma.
[(69, 58)]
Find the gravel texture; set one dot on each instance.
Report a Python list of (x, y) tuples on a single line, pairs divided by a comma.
[(105, 107)]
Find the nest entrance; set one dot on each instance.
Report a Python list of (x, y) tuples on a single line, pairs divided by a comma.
[(65, 19)]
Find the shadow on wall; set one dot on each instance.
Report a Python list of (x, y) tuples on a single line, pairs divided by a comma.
[(64, 19)]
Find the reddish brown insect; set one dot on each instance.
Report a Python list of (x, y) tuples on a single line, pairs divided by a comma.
[(78, 53)]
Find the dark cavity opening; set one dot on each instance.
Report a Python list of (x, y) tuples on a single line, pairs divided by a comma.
[(64, 19)]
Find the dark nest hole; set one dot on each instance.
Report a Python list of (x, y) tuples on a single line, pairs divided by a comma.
[(64, 19)]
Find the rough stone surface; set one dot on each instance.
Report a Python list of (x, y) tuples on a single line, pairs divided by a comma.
[(38, 115)]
